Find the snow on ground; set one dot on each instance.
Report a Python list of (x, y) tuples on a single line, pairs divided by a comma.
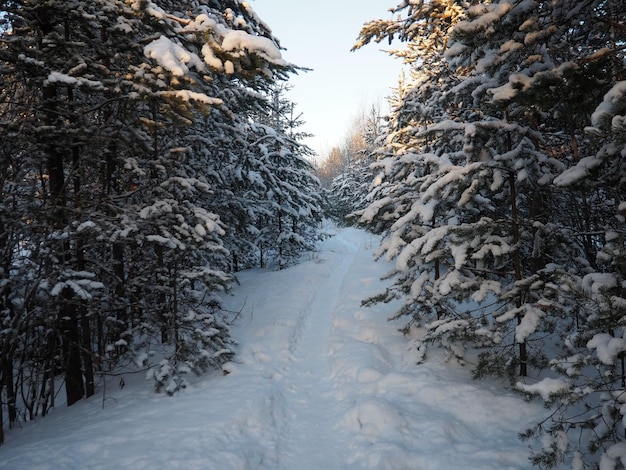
[(320, 382)]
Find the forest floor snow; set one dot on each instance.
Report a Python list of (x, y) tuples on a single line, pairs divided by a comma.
[(319, 383)]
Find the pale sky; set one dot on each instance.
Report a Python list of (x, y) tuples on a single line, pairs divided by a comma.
[(319, 35)]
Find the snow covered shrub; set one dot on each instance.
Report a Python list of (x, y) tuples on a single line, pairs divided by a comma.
[(202, 342)]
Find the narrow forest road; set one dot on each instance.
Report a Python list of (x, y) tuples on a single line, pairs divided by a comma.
[(339, 386), (305, 404), (313, 436), (319, 383)]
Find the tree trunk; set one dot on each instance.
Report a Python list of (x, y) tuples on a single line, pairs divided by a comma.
[(10, 389), (437, 276), (261, 257), (67, 317), (87, 354), (86, 349), (49, 371), (1, 420), (119, 271), (517, 262), (161, 297), (174, 310), (280, 233), (74, 386)]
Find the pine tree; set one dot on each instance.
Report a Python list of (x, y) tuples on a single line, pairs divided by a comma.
[(259, 154), (110, 224), (292, 199), (503, 230), (555, 90), (588, 396)]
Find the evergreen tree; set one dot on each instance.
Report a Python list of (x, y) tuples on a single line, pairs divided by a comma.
[(114, 250), (499, 244), (269, 196), (293, 198), (586, 426)]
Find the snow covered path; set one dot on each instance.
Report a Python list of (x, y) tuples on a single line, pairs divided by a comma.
[(293, 353), (319, 382), (312, 407)]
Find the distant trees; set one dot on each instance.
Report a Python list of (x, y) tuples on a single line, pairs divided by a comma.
[(500, 192), (139, 162), (346, 171)]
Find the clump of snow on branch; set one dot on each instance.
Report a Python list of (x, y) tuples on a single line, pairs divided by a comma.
[(172, 56), (234, 42), (607, 347), (545, 388)]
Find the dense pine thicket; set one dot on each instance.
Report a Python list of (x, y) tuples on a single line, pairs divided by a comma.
[(500, 189), (145, 158)]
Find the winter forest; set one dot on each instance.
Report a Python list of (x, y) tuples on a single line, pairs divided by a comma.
[(149, 154)]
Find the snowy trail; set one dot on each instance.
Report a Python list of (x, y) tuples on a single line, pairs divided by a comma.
[(313, 412), (306, 408), (319, 383)]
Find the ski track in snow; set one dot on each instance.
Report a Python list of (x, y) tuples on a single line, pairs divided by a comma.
[(319, 383), (312, 406), (307, 427)]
